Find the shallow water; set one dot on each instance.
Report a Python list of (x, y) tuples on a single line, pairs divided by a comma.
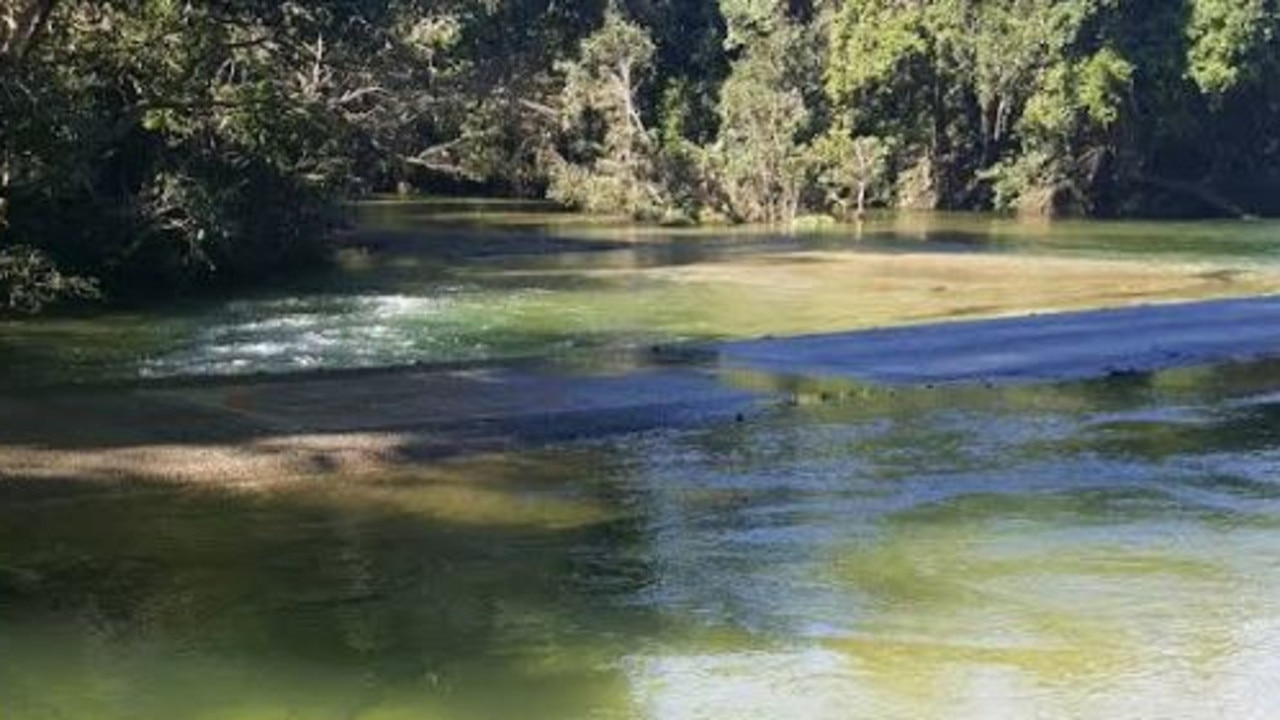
[(437, 282), (1099, 549), (1075, 550)]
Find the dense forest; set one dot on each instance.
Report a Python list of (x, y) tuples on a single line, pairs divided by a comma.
[(153, 144)]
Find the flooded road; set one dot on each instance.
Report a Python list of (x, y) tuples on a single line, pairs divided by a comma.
[(1054, 550)]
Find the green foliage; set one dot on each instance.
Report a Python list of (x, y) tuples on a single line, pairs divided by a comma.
[(748, 20), (1020, 182), (1227, 38), (873, 42), (613, 167), (159, 145), (853, 169), (1066, 128), (759, 160), (29, 281), (760, 164), (1072, 99)]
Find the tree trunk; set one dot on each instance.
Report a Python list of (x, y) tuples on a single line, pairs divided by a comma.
[(22, 30), (24, 27), (939, 151), (6, 174)]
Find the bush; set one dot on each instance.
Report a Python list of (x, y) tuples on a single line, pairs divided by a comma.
[(29, 281)]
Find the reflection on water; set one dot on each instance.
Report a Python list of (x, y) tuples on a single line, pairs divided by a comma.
[(1101, 549)]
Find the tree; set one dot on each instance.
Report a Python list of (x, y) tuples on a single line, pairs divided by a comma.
[(1012, 44), (891, 67), (1228, 42), (29, 279), (141, 137), (1067, 130), (852, 168), (760, 159), (160, 144), (611, 167)]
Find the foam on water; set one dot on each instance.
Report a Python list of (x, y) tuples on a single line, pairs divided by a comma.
[(305, 333)]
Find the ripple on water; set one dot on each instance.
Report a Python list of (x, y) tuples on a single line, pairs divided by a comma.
[(1082, 550), (330, 332)]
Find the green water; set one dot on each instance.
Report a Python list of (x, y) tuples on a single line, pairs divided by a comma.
[(446, 282), (1101, 549)]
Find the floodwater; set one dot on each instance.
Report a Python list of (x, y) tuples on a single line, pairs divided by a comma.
[(1100, 549), (1072, 550), (430, 283)]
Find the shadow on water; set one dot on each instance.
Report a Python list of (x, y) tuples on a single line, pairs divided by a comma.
[(850, 551), (480, 590), (433, 282), (1085, 549)]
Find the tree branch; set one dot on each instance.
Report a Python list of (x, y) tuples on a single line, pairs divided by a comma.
[(25, 29)]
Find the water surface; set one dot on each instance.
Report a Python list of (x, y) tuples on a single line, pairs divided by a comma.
[(1072, 550), (1098, 549), (438, 282)]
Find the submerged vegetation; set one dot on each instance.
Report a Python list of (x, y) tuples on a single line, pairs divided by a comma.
[(159, 145)]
